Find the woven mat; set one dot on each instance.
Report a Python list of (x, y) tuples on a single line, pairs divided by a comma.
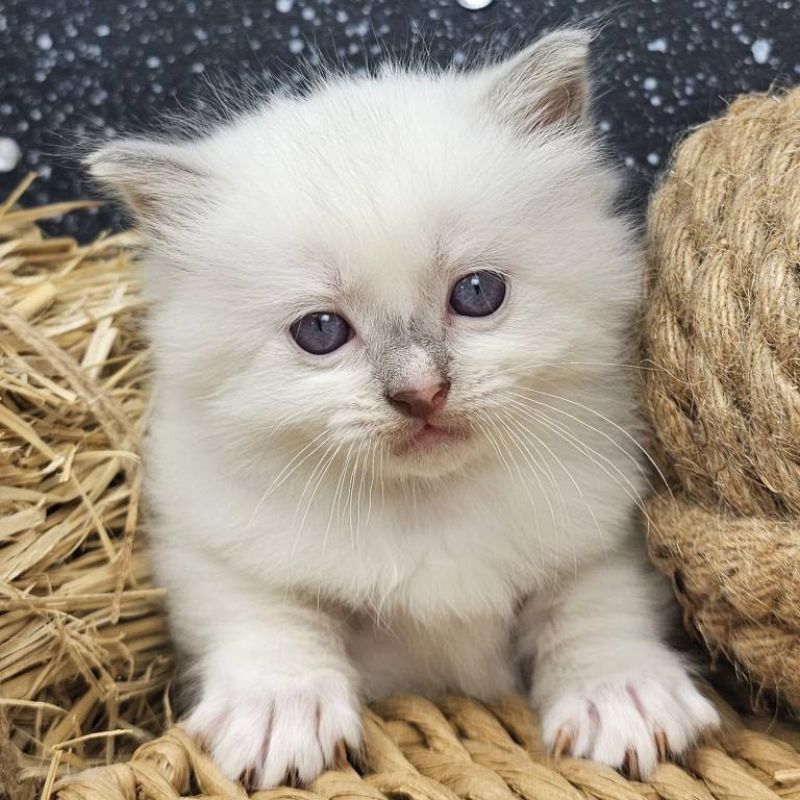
[(459, 748)]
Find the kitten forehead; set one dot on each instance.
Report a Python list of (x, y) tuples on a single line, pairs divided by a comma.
[(396, 274)]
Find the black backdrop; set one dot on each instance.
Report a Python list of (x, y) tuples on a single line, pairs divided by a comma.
[(102, 66)]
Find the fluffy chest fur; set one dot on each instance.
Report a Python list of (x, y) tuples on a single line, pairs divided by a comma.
[(465, 544)]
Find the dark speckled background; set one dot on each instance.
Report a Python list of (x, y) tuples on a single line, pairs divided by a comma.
[(69, 67)]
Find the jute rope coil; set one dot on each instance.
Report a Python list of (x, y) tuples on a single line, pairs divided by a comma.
[(721, 339)]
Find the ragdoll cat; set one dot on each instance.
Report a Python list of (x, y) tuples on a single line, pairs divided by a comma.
[(390, 448)]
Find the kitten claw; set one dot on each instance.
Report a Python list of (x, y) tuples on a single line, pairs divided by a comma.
[(630, 765), (340, 755), (662, 745), (630, 723), (293, 779), (248, 780), (563, 744), (295, 730)]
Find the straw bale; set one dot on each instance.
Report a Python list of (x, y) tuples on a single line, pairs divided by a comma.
[(83, 645)]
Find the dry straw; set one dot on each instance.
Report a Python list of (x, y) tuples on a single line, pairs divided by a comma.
[(722, 329), (84, 659), (82, 640)]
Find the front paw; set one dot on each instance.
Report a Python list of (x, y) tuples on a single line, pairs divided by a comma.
[(266, 730), (629, 721)]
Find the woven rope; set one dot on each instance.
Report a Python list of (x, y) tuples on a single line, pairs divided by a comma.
[(722, 333), (459, 748)]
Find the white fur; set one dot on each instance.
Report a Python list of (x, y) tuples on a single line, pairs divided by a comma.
[(308, 564)]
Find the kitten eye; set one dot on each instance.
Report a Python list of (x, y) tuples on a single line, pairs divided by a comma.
[(478, 294), (321, 332)]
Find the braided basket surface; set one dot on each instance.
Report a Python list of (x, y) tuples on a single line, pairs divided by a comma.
[(457, 748)]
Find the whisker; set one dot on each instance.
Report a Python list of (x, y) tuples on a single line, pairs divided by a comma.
[(353, 473), (371, 482), (630, 490), (284, 475), (327, 461), (335, 506), (563, 431), (567, 472), (522, 446), (605, 419), (497, 448)]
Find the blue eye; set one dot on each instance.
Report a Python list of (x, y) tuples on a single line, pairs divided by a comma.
[(478, 294), (321, 332)]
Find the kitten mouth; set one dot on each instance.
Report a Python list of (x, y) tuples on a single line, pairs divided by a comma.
[(427, 437)]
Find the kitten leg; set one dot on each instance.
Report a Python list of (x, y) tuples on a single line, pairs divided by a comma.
[(277, 696), (606, 685)]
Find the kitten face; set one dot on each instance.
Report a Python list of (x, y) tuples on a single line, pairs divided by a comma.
[(370, 202)]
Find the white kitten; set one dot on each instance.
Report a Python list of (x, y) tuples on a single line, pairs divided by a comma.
[(389, 448)]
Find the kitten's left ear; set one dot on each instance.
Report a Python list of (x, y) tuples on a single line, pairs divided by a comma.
[(545, 84), (158, 181)]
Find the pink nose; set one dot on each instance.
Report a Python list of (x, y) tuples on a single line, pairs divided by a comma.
[(421, 402)]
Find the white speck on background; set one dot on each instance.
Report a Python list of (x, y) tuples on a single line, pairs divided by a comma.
[(342, 16), (653, 159), (650, 84), (308, 13), (656, 101), (44, 41), (629, 162), (657, 45), (102, 30), (474, 5), (154, 62), (284, 6), (358, 29), (10, 154), (197, 68), (604, 125), (761, 49), (296, 46)]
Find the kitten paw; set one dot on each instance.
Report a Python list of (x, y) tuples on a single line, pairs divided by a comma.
[(276, 730), (630, 722)]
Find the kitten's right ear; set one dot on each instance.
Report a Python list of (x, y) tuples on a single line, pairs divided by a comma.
[(157, 181), (544, 85)]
